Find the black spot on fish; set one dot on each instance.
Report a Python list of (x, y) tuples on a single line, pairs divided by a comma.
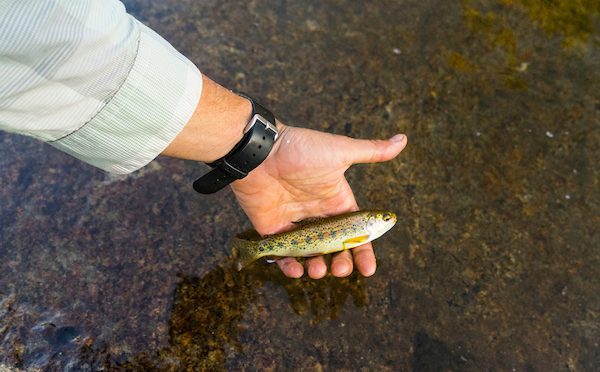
[(280, 244), (308, 240), (294, 242), (262, 249)]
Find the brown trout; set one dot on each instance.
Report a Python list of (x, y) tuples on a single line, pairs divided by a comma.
[(316, 237)]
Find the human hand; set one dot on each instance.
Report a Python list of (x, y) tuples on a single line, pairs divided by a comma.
[(303, 177)]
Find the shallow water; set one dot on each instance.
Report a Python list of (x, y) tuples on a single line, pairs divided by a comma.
[(495, 260)]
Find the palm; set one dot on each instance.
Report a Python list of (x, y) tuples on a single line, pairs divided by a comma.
[(304, 177), (294, 183)]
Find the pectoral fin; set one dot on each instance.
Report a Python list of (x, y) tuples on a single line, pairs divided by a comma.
[(356, 241)]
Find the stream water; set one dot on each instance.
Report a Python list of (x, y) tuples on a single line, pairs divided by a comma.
[(493, 264)]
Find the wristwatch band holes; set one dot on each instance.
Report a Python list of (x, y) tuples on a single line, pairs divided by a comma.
[(260, 146), (264, 138)]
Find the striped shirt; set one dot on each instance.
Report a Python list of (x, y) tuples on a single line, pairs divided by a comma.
[(91, 80)]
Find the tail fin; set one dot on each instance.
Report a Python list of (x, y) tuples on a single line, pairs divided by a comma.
[(243, 252)]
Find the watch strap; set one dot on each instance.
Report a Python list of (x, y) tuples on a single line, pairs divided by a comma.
[(254, 147), (213, 181), (259, 109)]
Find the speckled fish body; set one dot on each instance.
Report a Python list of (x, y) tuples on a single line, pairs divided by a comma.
[(317, 236)]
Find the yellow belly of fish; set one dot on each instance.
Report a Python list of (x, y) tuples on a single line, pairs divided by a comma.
[(323, 247)]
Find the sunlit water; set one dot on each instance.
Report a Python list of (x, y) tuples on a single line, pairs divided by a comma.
[(494, 263)]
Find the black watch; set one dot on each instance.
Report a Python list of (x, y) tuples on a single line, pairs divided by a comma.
[(259, 136)]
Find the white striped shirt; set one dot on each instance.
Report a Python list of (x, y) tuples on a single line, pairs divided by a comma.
[(92, 81)]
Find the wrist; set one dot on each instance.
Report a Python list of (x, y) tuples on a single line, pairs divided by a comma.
[(216, 126), (260, 135)]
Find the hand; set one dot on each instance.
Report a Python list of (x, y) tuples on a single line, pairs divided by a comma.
[(303, 177)]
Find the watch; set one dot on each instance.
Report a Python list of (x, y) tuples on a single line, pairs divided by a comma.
[(259, 136)]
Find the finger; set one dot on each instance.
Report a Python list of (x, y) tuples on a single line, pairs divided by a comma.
[(316, 267), (364, 259), (374, 151), (341, 264), (290, 267)]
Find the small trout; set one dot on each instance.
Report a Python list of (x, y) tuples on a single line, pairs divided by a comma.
[(316, 237)]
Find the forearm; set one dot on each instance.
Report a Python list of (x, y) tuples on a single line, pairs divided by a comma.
[(92, 81), (123, 98)]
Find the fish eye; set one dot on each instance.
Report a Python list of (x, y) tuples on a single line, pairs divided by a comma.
[(387, 217)]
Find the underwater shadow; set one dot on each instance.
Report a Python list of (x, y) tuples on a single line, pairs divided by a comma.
[(206, 312)]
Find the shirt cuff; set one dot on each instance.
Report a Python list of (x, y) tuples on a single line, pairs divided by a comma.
[(152, 106)]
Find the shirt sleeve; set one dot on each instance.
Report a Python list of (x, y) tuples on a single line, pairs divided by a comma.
[(92, 81)]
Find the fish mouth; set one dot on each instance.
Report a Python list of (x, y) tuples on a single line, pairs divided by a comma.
[(390, 217), (390, 220), (382, 224)]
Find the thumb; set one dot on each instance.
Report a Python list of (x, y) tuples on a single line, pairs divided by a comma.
[(375, 151)]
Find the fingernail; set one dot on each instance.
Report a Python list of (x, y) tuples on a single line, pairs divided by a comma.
[(398, 138)]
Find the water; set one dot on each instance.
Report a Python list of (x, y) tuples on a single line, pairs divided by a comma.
[(494, 262)]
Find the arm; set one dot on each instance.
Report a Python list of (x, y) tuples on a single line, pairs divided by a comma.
[(92, 81), (302, 177), (111, 92)]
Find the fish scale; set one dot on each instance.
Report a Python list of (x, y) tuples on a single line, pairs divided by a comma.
[(317, 236)]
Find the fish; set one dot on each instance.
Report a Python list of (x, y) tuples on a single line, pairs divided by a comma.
[(316, 236)]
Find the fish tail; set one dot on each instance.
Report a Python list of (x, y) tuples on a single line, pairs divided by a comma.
[(244, 252)]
